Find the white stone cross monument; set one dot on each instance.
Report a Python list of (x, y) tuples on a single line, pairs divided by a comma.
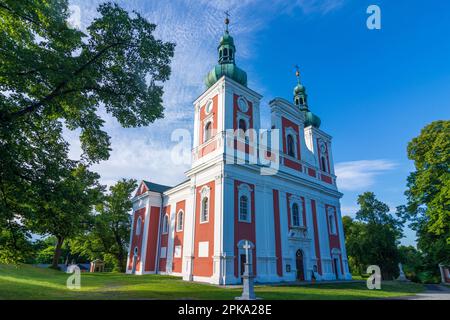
[(248, 292)]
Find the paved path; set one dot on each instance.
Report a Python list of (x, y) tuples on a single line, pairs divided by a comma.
[(432, 292)]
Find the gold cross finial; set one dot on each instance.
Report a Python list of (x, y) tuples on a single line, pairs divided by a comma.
[(227, 19), (297, 72)]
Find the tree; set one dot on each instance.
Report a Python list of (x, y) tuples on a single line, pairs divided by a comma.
[(428, 193), (33, 159), (65, 211), (53, 76), (49, 69), (108, 238), (373, 236), (353, 230)]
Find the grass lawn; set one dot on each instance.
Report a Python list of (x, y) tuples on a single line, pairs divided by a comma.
[(27, 282)]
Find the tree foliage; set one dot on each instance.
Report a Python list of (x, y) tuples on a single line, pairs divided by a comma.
[(372, 237), (33, 158), (65, 210), (54, 71), (428, 193), (109, 235), (53, 77)]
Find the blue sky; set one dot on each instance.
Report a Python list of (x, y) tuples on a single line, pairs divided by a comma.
[(373, 89)]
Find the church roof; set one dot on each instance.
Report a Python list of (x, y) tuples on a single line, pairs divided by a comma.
[(156, 187)]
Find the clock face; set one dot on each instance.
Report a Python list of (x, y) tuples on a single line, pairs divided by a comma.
[(208, 107), (242, 104)]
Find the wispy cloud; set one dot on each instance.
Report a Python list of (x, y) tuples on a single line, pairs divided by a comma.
[(349, 210), (359, 175), (319, 6)]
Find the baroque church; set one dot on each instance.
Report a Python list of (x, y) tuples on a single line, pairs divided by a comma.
[(290, 216)]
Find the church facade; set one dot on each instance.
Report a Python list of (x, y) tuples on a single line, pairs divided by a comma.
[(281, 198)]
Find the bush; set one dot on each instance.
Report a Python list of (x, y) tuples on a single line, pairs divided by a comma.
[(428, 277)]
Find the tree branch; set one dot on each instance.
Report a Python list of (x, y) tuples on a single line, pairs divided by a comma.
[(4, 6), (58, 90)]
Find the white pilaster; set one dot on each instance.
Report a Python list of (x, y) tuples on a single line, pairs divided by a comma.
[(145, 236)]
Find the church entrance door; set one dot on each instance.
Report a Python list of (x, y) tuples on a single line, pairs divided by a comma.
[(133, 269), (335, 267), (299, 265)]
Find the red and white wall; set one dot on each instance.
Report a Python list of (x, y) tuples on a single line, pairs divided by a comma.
[(210, 250)]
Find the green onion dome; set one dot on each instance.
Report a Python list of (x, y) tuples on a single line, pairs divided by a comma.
[(230, 70), (226, 64), (299, 88), (312, 120), (226, 39)]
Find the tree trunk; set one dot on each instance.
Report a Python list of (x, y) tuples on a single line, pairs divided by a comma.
[(121, 255), (120, 258), (57, 254)]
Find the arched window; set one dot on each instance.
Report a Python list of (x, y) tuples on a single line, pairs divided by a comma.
[(208, 133), (135, 251), (332, 220), (295, 215), (225, 52), (138, 226), (204, 217), (323, 163), (243, 209), (231, 53), (220, 53), (301, 100), (166, 224), (242, 127), (180, 221), (290, 145)]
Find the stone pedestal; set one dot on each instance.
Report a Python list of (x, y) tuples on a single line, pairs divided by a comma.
[(402, 276), (248, 290)]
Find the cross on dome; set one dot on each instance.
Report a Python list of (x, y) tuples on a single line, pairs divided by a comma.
[(227, 20), (226, 63)]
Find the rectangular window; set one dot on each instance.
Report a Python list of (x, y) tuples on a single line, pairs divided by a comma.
[(177, 253), (163, 252), (243, 209), (203, 249)]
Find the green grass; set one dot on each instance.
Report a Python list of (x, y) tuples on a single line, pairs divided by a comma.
[(27, 282)]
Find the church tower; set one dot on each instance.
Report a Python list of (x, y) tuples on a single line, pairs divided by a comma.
[(226, 104)]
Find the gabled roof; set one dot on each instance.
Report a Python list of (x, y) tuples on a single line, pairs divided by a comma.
[(156, 187), (181, 183)]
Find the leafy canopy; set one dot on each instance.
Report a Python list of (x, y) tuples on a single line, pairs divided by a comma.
[(429, 184), (54, 71), (108, 237), (51, 77), (372, 238)]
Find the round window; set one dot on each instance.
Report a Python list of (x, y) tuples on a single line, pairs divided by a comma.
[(208, 107), (242, 104)]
